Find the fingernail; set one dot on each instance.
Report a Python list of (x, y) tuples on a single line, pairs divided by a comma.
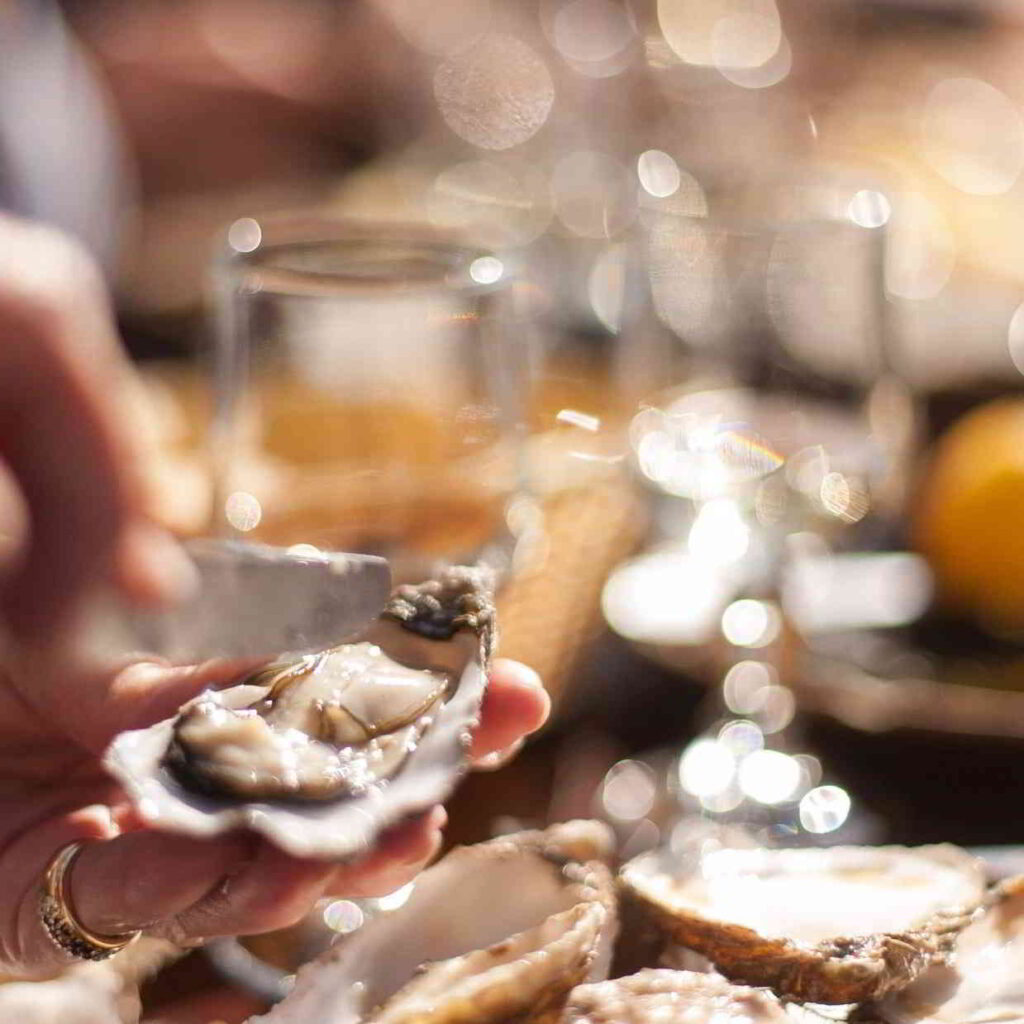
[(157, 566), (438, 817)]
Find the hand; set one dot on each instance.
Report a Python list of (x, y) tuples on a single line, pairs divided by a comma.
[(53, 791), (71, 512)]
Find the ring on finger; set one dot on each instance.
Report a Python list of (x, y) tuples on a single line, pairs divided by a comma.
[(57, 913)]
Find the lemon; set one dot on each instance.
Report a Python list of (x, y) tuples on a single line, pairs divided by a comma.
[(970, 523)]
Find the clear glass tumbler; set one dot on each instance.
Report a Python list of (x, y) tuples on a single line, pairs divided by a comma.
[(368, 392)]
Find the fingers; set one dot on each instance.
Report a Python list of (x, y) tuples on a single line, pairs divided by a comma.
[(399, 856), (59, 364), (515, 705)]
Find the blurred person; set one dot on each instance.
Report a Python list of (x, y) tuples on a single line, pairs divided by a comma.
[(72, 512)]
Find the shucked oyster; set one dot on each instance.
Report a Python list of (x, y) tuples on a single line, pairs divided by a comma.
[(983, 983), (671, 997), (493, 933), (322, 753), (838, 925)]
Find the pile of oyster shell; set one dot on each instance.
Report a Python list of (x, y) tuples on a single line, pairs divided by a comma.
[(321, 753), (529, 927)]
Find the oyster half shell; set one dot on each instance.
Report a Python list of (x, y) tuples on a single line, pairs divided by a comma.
[(497, 932), (322, 753), (836, 925), (658, 996), (983, 984)]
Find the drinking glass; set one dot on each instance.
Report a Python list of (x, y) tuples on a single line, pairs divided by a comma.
[(368, 391)]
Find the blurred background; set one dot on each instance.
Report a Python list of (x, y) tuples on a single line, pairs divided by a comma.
[(757, 379)]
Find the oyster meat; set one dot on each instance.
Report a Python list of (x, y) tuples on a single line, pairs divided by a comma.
[(983, 984), (321, 753), (658, 996), (496, 932), (836, 925)]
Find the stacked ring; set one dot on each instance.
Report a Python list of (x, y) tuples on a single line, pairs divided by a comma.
[(56, 911)]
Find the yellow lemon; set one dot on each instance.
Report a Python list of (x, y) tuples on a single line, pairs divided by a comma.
[(970, 522)]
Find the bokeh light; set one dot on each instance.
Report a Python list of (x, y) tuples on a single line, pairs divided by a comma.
[(658, 173), (243, 511), (824, 809), (497, 94), (972, 135), (706, 768), (593, 195), (751, 623), (769, 776), (628, 791), (343, 916)]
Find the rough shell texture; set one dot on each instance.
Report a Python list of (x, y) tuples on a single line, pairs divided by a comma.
[(497, 932), (671, 997), (349, 826), (839, 925), (984, 982)]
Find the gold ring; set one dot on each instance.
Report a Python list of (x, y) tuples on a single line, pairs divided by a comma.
[(57, 913)]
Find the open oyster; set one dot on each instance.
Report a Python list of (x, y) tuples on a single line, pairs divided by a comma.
[(497, 932), (321, 753), (671, 997), (983, 984), (837, 925)]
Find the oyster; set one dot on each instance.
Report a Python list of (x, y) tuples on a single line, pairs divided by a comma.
[(837, 925), (984, 982), (501, 931), (321, 753), (671, 997)]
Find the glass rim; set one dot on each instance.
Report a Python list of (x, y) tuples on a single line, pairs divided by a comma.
[(276, 253)]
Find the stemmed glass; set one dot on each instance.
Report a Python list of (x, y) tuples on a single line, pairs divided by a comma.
[(770, 466)]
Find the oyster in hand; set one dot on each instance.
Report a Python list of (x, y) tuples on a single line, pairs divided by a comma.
[(837, 925), (323, 752), (658, 996), (493, 933)]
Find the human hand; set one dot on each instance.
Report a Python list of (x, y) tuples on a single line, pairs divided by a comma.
[(53, 791), (72, 512)]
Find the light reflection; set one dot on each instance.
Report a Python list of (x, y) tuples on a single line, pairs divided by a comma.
[(769, 776), (343, 916), (496, 95), (721, 33), (751, 623), (591, 30), (973, 136), (741, 738), (658, 173), (245, 235), (628, 791), (305, 551), (606, 286), (706, 768), (486, 270), (744, 686), (396, 899), (778, 706), (575, 418), (1015, 338), (243, 511), (824, 809), (763, 76), (869, 209), (719, 533), (843, 498)]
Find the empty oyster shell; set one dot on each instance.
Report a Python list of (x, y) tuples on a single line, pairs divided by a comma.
[(497, 932), (837, 925), (321, 753), (985, 980), (671, 997)]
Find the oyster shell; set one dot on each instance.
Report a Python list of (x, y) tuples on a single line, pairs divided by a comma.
[(321, 753), (658, 996), (984, 982), (837, 925), (500, 931)]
